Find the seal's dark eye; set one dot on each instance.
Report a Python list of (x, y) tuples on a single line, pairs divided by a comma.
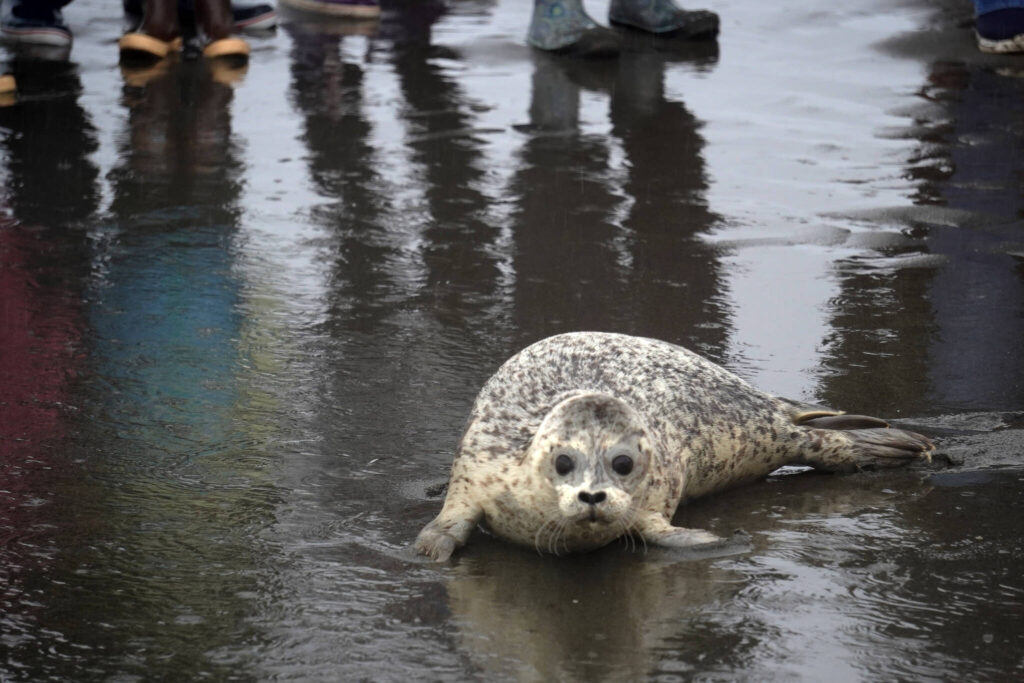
[(564, 464), (622, 464)]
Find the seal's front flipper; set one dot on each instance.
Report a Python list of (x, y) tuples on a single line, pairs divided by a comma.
[(446, 532), (690, 543), (852, 449), (739, 542)]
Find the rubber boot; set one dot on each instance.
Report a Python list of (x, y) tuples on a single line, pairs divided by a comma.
[(159, 34), (563, 26), (665, 18), (216, 22)]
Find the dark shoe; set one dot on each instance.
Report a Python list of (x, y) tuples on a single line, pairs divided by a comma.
[(253, 16), (31, 23), (1001, 31), (664, 18)]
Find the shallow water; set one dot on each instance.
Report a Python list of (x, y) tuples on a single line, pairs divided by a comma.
[(241, 327)]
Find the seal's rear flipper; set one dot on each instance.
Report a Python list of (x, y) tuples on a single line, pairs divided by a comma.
[(839, 421), (847, 449)]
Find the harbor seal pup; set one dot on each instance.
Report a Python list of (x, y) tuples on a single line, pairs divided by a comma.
[(585, 437)]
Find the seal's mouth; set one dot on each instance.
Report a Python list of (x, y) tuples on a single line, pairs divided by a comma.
[(592, 518)]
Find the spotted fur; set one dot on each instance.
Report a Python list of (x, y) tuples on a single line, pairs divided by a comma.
[(688, 426)]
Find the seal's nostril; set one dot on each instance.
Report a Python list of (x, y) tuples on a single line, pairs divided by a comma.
[(598, 497)]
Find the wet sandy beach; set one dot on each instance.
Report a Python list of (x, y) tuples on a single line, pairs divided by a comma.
[(243, 317)]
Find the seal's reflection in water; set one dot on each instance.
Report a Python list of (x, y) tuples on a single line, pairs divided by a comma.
[(626, 613), (600, 616)]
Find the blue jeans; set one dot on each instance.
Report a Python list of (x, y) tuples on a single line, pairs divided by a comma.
[(985, 6)]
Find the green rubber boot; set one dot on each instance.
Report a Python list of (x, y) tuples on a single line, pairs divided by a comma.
[(664, 18), (563, 26)]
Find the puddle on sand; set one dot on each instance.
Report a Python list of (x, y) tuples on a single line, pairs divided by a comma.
[(244, 317)]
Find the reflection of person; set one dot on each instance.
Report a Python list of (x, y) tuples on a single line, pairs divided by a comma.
[(349, 9), (7, 88), (999, 25), (563, 25), (632, 225)]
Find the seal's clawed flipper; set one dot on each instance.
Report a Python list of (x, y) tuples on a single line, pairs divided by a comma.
[(821, 420), (850, 450), (738, 542), (695, 544), (838, 442), (446, 532)]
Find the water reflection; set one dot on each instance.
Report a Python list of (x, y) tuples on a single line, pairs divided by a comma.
[(167, 486), (934, 318), (608, 615), (607, 225), (49, 188)]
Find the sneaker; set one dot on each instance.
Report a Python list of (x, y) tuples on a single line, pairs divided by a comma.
[(32, 23), (664, 18), (250, 16), (350, 9), (253, 16), (1001, 31)]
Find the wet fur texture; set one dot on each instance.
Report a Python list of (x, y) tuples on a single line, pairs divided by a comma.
[(688, 426)]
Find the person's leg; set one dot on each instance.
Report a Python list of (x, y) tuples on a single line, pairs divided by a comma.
[(664, 18)]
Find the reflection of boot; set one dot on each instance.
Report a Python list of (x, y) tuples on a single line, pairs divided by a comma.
[(555, 100), (664, 18), (8, 88), (141, 76), (159, 34), (226, 72), (563, 26), (350, 9)]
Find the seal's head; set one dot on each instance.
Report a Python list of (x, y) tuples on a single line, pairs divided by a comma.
[(593, 453)]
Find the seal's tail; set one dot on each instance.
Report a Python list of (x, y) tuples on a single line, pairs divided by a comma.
[(842, 443)]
